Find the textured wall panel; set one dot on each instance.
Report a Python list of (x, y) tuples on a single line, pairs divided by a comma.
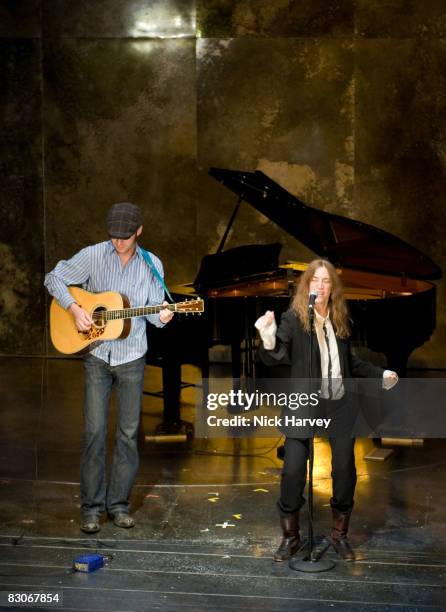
[(20, 18), (341, 102), (120, 125), (282, 106), (266, 18), (119, 19), (400, 150), (22, 311), (401, 18)]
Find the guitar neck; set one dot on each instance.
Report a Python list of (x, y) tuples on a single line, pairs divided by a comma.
[(142, 311)]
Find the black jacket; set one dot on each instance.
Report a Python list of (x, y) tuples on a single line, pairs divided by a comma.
[(293, 349)]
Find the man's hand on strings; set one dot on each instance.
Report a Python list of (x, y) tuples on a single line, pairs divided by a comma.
[(82, 318)]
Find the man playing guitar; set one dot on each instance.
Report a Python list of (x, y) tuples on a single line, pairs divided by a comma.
[(118, 265)]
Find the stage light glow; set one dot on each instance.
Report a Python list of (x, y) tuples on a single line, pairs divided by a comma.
[(160, 23)]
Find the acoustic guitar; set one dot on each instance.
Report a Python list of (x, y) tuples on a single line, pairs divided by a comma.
[(111, 314)]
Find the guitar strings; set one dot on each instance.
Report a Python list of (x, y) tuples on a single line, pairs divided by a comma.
[(98, 316)]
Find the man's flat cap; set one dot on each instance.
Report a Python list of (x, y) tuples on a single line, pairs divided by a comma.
[(123, 219)]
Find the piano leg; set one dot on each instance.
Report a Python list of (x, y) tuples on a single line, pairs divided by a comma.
[(171, 391), (236, 358), (171, 428), (397, 360), (243, 359)]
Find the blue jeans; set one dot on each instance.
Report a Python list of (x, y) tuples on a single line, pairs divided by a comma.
[(100, 377)]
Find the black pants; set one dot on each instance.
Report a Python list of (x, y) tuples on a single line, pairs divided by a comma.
[(294, 474)]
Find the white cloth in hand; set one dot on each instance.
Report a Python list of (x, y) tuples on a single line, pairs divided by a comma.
[(266, 324), (389, 379)]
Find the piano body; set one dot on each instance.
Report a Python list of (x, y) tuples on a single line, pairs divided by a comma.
[(387, 286)]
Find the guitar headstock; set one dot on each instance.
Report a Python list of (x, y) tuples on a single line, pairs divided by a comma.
[(195, 306)]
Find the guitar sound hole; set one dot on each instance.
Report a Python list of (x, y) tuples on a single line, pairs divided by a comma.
[(99, 316)]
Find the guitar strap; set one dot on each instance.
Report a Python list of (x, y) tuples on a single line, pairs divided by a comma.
[(155, 272)]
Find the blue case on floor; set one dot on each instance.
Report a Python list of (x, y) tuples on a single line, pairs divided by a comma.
[(88, 563)]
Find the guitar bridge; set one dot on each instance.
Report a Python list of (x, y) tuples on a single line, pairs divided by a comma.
[(93, 333)]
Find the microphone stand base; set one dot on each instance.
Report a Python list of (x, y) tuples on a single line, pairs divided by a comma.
[(314, 562), (309, 566)]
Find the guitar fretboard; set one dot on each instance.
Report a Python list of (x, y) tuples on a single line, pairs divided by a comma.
[(129, 313)]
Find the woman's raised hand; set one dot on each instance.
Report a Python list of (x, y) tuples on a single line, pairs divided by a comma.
[(266, 324)]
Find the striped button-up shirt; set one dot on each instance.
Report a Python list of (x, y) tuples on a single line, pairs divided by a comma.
[(97, 268)]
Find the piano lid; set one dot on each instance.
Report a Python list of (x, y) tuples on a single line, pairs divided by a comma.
[(344, 242)]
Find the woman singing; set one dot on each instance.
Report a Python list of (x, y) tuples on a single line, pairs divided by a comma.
[(333, 361)]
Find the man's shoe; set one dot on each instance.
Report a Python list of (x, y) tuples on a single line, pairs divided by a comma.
[(122, 519), (90, 524)]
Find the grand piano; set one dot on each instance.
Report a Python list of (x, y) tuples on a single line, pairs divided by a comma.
[(387, 286)]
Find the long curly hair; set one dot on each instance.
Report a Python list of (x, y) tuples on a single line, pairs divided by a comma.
[(338, 308)]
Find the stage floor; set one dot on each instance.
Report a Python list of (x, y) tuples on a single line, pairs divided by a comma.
[(206, 522)]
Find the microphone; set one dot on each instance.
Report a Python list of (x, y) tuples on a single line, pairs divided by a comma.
[(312, 299)]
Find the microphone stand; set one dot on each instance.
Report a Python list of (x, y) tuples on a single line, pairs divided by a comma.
[(312, 562)]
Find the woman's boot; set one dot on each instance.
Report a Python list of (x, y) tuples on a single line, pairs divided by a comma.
[(339, 535), (290, 543)]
